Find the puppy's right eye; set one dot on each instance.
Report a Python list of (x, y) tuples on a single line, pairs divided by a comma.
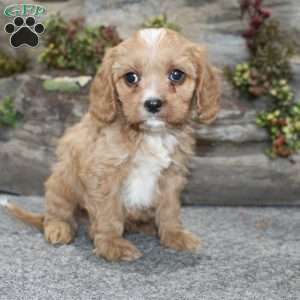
[(132, 78)]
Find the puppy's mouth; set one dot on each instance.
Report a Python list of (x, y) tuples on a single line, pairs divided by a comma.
[(153, 124)]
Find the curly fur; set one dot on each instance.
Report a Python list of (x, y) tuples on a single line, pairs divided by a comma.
[(125, 168)]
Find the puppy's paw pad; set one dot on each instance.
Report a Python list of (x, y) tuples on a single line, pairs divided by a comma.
[(59, 232), (117, 249), (181, 240)]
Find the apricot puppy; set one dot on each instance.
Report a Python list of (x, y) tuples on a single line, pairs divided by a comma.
[(125, 163)]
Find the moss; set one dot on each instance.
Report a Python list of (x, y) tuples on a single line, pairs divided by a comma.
[(10, 65), (54, 85), (8, 114)]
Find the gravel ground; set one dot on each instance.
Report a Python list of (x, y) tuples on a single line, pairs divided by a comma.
[(248, 253)]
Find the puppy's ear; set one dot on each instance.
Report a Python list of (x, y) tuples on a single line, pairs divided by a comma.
[(102, 94), (208, 87)]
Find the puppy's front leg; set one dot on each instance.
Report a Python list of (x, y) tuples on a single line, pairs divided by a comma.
[(107, 227), (171, 231)]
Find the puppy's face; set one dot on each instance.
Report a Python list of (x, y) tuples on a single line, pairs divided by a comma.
[(154, 77)]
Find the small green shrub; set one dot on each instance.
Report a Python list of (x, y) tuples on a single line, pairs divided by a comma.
[(8, 114), (267, 73), (160, 22), (10, 65), (272, 48), (281, 92), (73, 45), (270, 52), (283, 125)]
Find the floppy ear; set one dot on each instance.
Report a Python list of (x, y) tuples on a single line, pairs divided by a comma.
[(208, 88), (102, 94)]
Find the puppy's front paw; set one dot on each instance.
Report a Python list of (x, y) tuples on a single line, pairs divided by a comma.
[(58, 232), (114, 249), (181, 240)]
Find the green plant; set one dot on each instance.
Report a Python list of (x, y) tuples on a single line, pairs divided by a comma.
[(267, 73), (283, 125), (281, 92), (8, 114), (10, 65), (270, 52), (72, 45), (160, 21)]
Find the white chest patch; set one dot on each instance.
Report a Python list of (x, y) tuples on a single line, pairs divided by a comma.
[(153, 156)]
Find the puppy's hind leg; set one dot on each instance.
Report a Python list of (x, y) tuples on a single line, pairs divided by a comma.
[(59, 224)]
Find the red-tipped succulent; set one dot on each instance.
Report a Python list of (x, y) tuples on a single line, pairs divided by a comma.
[(256, 14)]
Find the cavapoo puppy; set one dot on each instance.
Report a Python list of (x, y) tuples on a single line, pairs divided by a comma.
[(125, 162)]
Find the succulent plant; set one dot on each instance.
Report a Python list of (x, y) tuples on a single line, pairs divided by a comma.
[(283, 125), (267, 73), (73, 45), (159, 22), (10, 65)]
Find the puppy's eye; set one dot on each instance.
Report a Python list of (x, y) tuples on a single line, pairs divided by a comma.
[(132, 78), (176, 76)]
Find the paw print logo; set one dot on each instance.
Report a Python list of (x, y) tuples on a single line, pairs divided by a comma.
[(24, 32)]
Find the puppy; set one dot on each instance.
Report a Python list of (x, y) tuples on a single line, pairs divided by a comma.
[(125, 163)]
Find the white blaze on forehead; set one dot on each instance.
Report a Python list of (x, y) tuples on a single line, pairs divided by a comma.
[(152, 36), (151, 91)]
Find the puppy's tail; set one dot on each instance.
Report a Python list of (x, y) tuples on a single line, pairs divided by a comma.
[(34, 219)]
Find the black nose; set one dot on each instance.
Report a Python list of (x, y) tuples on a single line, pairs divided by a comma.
[(153, 105)]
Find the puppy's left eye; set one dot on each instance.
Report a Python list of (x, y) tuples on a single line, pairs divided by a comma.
[(176, 76), (132, 78)]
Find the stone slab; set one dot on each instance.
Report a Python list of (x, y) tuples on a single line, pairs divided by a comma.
[(240, 175)]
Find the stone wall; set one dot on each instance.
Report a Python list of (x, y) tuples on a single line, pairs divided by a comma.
[(230, 167)]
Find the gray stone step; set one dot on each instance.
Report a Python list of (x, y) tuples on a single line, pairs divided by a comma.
[(214, 23), (230, 174)]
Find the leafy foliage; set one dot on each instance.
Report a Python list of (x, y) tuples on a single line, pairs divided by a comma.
[(8, 114), (267, 74), (283, 125), (72, 45), (160, 22), (10, 65), (257, 15), (269, 60)]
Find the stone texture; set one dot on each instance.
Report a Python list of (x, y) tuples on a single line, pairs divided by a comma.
[(228, 174), (27, 152), (192, 15), (214, 23), (248, 253), (236, 120)]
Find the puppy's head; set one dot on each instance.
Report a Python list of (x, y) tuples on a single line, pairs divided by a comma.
[(155, 80)]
